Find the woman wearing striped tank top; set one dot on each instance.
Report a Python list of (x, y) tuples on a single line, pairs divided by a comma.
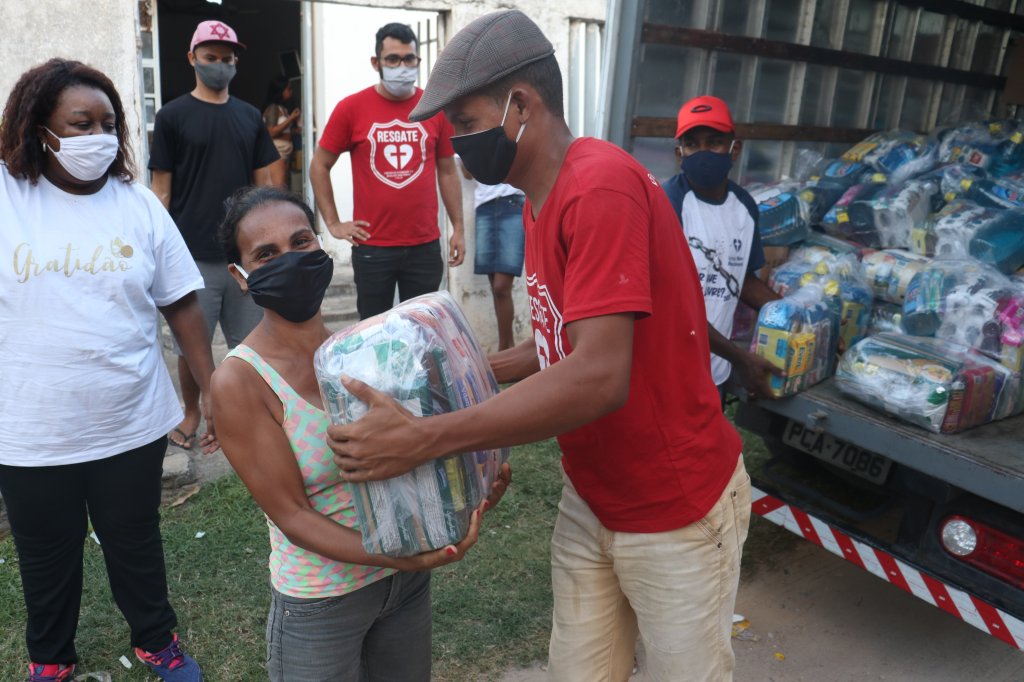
[(337, 612)]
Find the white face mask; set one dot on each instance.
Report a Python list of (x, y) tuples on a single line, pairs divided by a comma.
[(400, 81), (85, 157)]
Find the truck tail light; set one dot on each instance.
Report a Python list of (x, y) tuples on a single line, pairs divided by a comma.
[(985, 548)]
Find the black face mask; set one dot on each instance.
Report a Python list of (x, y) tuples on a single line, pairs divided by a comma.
[(488, 155), (293, 284)]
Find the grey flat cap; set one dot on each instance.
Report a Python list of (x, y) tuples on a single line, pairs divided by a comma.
[(485, 51)]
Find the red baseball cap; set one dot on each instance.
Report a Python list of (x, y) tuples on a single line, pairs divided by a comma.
[(214, 32), (704, 111)]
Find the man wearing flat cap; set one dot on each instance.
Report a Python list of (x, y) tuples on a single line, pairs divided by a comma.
[(656, 500)]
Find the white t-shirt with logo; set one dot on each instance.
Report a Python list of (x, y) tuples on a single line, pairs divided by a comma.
[(721, 238), (82, 372)]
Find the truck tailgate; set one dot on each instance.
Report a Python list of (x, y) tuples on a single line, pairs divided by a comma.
[(987, 460)]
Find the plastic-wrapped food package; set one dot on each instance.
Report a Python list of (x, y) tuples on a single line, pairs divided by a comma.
[(1010, 158), (994, 192), (889, 272), (834, 245), (423, 354), (971, 304), (836, 221), (975, 143), (822, 191), (885, 317), (947, 233), (1000, 242), (935, 384), (840, 278), (797, 333), (900, 154), (887, 219), (782, 214)]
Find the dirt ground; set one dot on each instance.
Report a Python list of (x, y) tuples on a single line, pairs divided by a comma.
[(817, 618)]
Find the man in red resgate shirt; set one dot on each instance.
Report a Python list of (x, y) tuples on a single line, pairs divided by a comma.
[(656, 501), (395, 165)]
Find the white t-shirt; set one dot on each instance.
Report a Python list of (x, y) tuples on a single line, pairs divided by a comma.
[(726, 231), (81, 366), (485, 193)]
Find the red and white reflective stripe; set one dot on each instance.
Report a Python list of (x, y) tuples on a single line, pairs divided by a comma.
[(965, 606)]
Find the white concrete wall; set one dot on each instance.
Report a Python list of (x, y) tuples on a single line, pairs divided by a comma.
[(101, 33), (472, 291), (105, 35)]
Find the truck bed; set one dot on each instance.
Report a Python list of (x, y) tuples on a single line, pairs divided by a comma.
[(987, 460)]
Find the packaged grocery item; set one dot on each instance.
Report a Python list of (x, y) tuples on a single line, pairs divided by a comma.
[(797, 333), (935, 384), (782, 214), (821, 191), (1010, 158), (948, 232), (889, 272), (995, 192), (837, 220), (885, 317), (840, 278), (423, 354), (900, 154), (1000, 242), (970, 304)]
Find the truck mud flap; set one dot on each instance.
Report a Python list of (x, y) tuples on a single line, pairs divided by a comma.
[(886, 566)]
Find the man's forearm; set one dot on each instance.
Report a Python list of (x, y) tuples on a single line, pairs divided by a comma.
[(565, 396), (323, 192), (515, 364), (756, 293), (721, 346), (451, 195)]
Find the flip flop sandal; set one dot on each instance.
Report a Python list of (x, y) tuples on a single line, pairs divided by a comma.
[(187, 440)]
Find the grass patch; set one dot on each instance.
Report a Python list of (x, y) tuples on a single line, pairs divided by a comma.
[(492, 611)]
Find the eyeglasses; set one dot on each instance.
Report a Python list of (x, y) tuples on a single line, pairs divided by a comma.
[(393, 60)]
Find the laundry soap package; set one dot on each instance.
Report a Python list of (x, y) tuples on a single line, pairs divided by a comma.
[(941, 386), (424, 355)]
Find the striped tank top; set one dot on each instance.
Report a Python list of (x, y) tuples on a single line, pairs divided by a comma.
[(295, 571)]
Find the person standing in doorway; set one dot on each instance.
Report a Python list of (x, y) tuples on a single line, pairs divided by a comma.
[(206, 145), (499, 239), (282, 124), (397, 167)]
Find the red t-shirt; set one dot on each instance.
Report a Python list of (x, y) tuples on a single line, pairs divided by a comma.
[(607, 241), (394, 165)]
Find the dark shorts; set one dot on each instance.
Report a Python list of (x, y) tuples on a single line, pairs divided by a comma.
[(500, 236)]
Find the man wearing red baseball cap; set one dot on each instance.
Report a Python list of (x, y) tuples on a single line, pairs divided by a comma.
[(207, 145), (719, 219)]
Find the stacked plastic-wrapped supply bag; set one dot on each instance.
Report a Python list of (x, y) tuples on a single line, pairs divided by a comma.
[(424, 355), (911, 244)]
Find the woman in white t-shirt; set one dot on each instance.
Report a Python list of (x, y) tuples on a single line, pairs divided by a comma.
[(92, 260)]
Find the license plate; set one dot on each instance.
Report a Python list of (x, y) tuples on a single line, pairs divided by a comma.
[(857, 461)]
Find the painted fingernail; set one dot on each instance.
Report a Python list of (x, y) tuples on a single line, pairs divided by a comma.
[(451, 550), (487, 505)]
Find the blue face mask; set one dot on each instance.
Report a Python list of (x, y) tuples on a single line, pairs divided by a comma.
[(707, 169)]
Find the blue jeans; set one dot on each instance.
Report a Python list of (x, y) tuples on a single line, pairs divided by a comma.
[(378, 633), (500, 236)]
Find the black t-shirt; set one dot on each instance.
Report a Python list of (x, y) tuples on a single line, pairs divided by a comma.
[(211, 151)]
